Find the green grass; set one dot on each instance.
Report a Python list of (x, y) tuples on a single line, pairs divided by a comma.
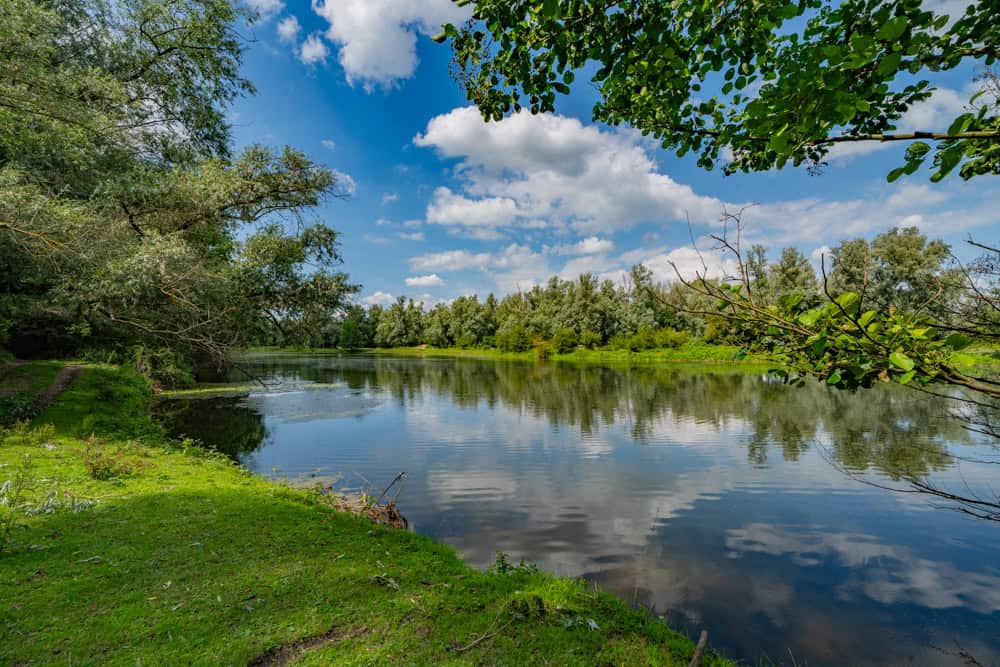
[(185, 558), (981, 360), (694, 352), (34, 376), (690, 352), (104, 400)]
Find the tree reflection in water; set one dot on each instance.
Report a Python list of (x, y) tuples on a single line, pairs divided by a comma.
[(676, 488)]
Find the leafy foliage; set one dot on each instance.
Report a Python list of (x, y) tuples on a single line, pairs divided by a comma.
[(843, 340), (124, 220), (770, 83)]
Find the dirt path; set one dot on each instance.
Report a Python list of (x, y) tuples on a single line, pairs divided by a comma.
[(280, 656), (62, 382)]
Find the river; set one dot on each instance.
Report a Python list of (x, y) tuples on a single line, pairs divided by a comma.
[(719, 499)]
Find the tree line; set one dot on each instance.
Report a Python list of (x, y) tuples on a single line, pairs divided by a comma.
[(899, 269)]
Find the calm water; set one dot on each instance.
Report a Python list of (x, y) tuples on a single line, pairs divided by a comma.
[(719, 500)]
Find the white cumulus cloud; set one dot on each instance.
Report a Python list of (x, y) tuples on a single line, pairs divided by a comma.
[(450, 260), (591, 245), (430, 280), (378, 299), (345, 182), (288, 29), (266, 9), (314, 50), (552, 171), (377, 39)]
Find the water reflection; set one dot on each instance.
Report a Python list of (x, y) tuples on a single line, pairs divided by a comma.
[(709, 497)]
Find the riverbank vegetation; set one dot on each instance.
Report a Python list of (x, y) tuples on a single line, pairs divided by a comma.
[(902, 271), (130, 229), (223, 566)]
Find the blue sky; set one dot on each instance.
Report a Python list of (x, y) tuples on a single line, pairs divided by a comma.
[(442, 204)]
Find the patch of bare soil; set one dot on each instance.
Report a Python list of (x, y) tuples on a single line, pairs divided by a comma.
[(286, 654), (62, 382)]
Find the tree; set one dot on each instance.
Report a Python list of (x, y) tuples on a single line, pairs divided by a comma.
[(400, 325), (352, 330), (757, 269), (908, 272), (849, 345), (437, 331), (124, 217), (771, 83), (849, 267), (792, 275)]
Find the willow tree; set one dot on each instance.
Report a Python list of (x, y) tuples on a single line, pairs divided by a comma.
[(125, 219)]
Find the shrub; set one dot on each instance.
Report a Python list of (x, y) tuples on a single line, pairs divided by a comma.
[(466, 341), (544, 350), (163, 367), (513, 338), (644, 339), (22, 406), (565, 340), (619, 342), (590, 340), (671, 338), (105, 463)]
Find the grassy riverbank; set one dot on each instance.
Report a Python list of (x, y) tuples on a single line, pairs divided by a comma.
[(126, 549), (981, 359), (691, 352)]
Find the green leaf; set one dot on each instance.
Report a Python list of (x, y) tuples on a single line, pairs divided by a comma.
[(917, 150), (961, 124), (866, 318), (789, 11), (895, 174), (810, 317), (849, 301), (889, 64), (819, 346), (901, 361), (550, 9), (834, 378), (958, 341), (950, 159), (906, 377), (892, 29), (788, 302)]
